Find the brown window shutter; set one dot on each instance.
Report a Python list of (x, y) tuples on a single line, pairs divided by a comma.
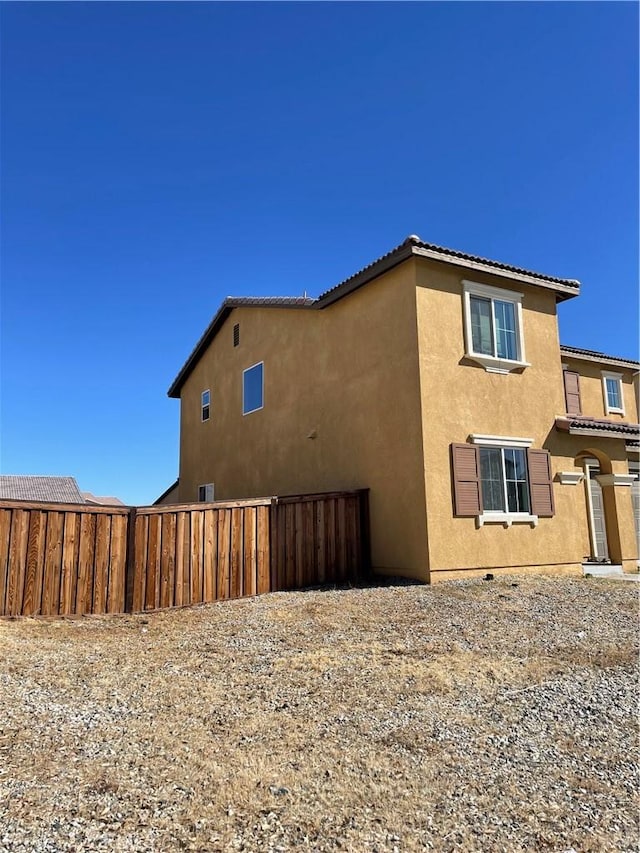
[(572, 392), (465, 463), (540, 483)]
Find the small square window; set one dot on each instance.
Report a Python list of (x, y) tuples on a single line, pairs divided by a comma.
[(612, 391), (206, 492), (205, 405), (253, 388)]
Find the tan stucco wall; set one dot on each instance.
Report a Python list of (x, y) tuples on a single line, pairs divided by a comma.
[(460, 398), (348, 374), (591, 390)]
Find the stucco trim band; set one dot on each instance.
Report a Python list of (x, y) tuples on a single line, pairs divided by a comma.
[(506, 518), (570, 478), (501, 440), (616, 479)]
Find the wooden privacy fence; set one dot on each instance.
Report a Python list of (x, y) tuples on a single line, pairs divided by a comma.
[(59, 559)]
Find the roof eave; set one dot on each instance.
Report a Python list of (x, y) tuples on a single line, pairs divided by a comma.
[(610, 361), (209, 333), (563, 291), (379, 267), (216, 324), (626, 432)]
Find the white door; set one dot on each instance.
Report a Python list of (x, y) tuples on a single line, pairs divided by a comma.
[(599, 546)]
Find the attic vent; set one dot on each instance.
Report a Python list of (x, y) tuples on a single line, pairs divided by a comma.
[(236, 334)]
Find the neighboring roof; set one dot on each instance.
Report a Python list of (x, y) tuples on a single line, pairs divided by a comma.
[(595, 426), (101, 500), (593, 355), (166, 492), (565, 288), (21, 487)]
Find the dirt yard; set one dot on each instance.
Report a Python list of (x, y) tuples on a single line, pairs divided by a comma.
[(489, 716)]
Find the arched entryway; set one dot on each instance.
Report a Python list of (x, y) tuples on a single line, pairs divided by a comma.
[(602, 515)]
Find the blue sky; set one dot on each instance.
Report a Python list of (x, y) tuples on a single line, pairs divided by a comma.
[(156, 158)]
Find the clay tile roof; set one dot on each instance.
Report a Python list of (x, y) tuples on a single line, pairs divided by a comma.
[(20, 487), (405, 249), (567, 424), (594, 355)]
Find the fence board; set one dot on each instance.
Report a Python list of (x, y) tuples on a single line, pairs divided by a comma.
[(117, 564), (331, 533), (52, 564), (210, 554), (264, 573), (249, 582), (224, 547), (152, 597), (310, 571), (5, 535), (341, 545), (281, 547), (352, 538), (85, 562), (17, 560), (69, 563), (101, 563), (290, 549), (179, 581), (320, 542), (167, 559), (197, 551), (140, 545), (32, 598), (237, 555), (186, 559)]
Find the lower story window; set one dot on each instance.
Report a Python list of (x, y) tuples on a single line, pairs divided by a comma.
[(499, 479), (503, 477), (205, 492)]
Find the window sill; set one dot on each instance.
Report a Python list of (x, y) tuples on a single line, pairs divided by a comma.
[(506, 518), (497, 365)]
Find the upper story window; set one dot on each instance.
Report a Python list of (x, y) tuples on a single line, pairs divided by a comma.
[(612, 391), (205, 405), (493, 327), (253, 388)]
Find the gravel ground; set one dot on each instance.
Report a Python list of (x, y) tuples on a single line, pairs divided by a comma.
[(489, 716)]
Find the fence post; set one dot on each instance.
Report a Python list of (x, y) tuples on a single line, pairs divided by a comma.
[(365, 533), (130, 565)]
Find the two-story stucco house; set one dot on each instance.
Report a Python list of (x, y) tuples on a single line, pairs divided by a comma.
[(437, 380)]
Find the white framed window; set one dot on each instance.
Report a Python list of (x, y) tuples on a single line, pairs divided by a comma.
[(205, 405), (253, 388), (206, 492), (504, 479), (493, 327), (612, 392), (503, 476)]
